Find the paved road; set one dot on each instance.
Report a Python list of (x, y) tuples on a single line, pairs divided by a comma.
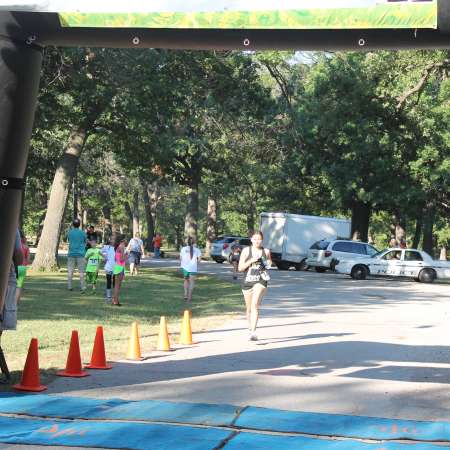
[(326, 344)]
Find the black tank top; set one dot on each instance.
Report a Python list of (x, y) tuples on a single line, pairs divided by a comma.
[(253, 273)]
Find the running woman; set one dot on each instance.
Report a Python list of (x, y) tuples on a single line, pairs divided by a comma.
[(254, 261), (190, 257)]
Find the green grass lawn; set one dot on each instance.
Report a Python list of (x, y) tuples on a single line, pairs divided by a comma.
[(49, 312)]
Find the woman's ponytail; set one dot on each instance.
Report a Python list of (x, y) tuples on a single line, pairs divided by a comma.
[(191, 246)]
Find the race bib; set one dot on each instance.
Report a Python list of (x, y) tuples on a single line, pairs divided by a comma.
[(253, 275)]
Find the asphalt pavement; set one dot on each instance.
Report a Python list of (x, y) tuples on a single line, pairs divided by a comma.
[(327, 343)]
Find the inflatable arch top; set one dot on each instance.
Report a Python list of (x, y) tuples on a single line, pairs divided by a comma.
[(230, 24)]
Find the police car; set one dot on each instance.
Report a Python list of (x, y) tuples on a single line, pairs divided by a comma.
[(396, 262)]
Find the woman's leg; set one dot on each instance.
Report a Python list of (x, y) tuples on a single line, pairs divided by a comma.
[(108, 280), (81, 264), (186, 287), (108, 287), (117, 285), (248, 293), (191, 287), (258, 294)]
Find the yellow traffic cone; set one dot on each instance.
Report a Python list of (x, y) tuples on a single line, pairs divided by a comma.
[(163, 340), (186, 332), (134, 347)]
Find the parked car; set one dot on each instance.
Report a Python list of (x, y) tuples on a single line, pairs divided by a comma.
[(323, 254), (221, 247), (396, 262)]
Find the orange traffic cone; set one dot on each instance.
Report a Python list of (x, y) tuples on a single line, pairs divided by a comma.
[(98, 358), (134, 347), (186, 332), (163, 340), (30, 377), (73, 365)]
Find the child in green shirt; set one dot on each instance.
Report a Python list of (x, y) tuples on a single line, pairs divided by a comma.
[(93, 257)]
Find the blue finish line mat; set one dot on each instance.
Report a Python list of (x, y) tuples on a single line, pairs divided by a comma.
[(341, 425), (129, 435), (251, 441), (63, 407), (143, 436), (247, 422)]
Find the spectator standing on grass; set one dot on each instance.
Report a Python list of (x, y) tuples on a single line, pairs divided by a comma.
[(109, 256), (8, 305), (157, 241), (91, 235), (77, 250), (120, 258), (135, 249), (22, 269), (254, 261), (189, 259)]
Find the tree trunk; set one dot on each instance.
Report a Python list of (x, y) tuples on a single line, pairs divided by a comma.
[(155, 196), (178, 237), (46, 255), (360, 219), (211, 225), (75, 197), (135, 213), (250, 222), (428, 225), (39, 229), (148, 217), (80, 209), (84, 218), (22, 207), (250, 217), (443, 254), (107, 232), (129, 213), (417, 232), (190, 220), (398, 228)]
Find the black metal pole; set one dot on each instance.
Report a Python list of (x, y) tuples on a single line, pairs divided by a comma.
[(20, 65)]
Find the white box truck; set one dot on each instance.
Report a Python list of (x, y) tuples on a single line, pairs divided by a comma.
[(289, 236)]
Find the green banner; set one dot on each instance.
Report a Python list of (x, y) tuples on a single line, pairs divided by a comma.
[(418, 14)]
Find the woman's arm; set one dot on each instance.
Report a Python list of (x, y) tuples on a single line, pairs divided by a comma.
[(243, 264), (268, 257)]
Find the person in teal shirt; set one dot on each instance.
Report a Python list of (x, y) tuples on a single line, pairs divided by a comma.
[(75, 257), (93, 257)]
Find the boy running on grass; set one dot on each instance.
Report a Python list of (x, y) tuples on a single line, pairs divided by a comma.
[(93, 257)]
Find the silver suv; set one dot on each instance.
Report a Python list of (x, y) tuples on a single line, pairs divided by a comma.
[(323, 254), (221, 248)]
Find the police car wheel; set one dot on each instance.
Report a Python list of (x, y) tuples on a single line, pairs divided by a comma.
[(359, 272), (427, 275)]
